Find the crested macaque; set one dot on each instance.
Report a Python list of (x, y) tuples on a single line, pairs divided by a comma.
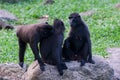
[(51, 47), (77, 46), (33, 35)]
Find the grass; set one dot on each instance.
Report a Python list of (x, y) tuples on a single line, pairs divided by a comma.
[(104, 24)]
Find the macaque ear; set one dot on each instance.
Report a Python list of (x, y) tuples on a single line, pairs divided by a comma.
[(33, 35)]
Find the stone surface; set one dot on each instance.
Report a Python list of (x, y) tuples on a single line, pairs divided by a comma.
[(99, 71), (7, 15), (114, 60), (87, 13), (10, 71), (5, 25), (43, 19), (117, 5)]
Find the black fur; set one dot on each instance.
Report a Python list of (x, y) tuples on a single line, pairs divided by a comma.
[(78, 44), (51, 48), (32, 34)]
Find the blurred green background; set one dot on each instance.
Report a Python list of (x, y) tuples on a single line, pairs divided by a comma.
[(104, 24)]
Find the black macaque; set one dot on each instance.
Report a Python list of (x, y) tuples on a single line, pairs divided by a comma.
[(32, 34), (51, 47), (78, 44)]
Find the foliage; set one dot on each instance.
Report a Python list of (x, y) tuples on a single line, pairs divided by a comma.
[(103, 24)]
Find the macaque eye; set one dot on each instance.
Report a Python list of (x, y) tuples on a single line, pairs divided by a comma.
[(77, 17), (70, 17)]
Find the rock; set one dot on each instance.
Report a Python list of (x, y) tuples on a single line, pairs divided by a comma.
[(117, 5), (98, 71), (7, 15), (4, 25), (43, 19), (87, 13), (10, 71), (114, 60), (3, 79)]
